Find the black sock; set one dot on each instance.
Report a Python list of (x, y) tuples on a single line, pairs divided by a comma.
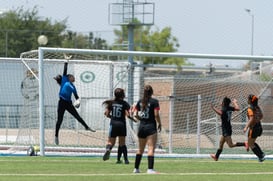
[(257, 152), (138, 160), (150, 162), (119, 153), (219, 151), (240, 144), (125, 152), (261, 153)]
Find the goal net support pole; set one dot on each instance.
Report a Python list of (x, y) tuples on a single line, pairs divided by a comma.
[(41, 102), (198, 124)]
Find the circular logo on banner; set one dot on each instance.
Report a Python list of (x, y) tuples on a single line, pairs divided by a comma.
[(122, 76), (87, 77)]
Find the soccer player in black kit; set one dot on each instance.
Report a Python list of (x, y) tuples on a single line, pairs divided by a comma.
[(65, 103), (117, 110), (226, 112), (147, 111)]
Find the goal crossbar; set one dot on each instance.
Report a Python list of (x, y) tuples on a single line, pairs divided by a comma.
[(157, 54)]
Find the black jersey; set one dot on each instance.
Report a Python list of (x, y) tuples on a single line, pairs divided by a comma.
[(118, 110), (118, 117), (226, 120), (147, 115), (147, 118)]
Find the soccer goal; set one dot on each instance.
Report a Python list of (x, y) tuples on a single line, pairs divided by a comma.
[(96, 78), (190, 127)]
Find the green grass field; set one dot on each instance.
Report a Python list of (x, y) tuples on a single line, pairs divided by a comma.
[(93, 168)]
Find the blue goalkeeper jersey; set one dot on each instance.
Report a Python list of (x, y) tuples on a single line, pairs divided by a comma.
[(67, 88)]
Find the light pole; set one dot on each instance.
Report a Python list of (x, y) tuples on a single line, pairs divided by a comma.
[(252, 28)]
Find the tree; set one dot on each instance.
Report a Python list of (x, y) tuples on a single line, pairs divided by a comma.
[(79, 40), (23, 27), (147, 40)]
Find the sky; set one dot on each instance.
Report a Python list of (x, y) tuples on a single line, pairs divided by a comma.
[(201, 26)]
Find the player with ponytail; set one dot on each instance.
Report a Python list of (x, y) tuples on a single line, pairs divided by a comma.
[(147, 111), (117, 110), (254, 126), (226, 113)]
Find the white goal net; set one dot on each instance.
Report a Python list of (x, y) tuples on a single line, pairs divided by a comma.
[(189, 124)]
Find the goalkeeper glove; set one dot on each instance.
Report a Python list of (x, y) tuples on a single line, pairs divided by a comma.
[(67, 58), (77, 103)]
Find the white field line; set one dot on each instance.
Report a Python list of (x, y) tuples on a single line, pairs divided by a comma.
[(144, 173)]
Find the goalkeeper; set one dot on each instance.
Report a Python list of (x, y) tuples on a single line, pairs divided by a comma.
[(65, 102)]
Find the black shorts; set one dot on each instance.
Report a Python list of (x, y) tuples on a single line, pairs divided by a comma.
[(256, 131), (146, 130), (226, 132), (117, 129)]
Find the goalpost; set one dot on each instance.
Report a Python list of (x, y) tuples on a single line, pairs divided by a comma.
[(96, 80), (189, 125)]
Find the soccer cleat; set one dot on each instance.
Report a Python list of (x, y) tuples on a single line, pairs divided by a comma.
[(213, 157), (119, 162), (126, 162), (89, 129), (136, 170), (246, 146), (31, 151), (152, 171), (262, 158), (56, 140), (106, 155)]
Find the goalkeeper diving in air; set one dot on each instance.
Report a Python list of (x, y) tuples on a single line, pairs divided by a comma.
[(65, 103)]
